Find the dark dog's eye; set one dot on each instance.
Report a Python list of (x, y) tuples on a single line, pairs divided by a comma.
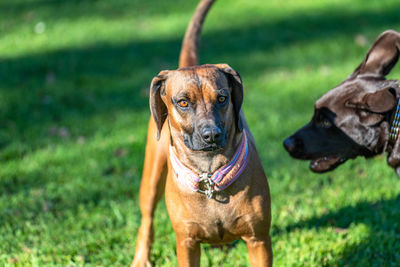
[(183, 103), (221, 99), (326, 123)]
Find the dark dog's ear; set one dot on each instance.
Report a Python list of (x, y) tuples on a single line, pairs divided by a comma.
[(377, 103), (382, 56), (380, 101), (157, 106), (237, 90)]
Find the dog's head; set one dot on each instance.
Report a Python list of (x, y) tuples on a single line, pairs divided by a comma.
[(202, 104), (353, 118)]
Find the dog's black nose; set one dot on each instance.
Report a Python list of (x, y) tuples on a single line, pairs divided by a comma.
[(292, 144), (211, 134)]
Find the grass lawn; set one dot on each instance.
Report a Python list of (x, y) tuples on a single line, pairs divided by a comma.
[(74, 79)]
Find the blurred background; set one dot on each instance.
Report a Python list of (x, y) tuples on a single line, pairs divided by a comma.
[(74, 78)]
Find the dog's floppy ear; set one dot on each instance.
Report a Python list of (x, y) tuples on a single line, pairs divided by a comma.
[(382, 56), (381, 101), (157, 106), (237, 90), (377, 103)]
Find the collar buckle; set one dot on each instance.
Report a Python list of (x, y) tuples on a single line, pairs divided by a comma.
[(205, 179)]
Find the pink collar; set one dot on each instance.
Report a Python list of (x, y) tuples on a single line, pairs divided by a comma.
[(218, 181)]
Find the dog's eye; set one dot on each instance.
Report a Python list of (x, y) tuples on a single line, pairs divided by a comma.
[(326, 123), (183, 103), (221, 99)]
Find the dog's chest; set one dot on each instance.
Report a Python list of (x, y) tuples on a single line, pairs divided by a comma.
[(217, 220), (213, 228)]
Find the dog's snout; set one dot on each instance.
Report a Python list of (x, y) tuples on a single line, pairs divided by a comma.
[(211, 134), (289, 144), (293, 145)]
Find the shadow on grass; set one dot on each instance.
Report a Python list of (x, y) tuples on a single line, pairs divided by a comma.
[(382, 218)]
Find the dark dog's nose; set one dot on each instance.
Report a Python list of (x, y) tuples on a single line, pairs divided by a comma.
[(293, 144), (211, 134)]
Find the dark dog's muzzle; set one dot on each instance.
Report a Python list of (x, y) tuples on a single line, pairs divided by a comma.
[(294, 146)]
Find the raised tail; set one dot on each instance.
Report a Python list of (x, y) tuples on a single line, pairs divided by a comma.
[(189, 52)]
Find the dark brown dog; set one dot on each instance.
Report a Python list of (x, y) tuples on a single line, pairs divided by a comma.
[(196, 114), (355, 118)]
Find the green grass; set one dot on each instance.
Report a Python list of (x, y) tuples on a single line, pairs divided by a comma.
[(74, 111)]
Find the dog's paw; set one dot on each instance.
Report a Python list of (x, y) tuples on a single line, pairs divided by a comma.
[(138, 262), (141, 259)]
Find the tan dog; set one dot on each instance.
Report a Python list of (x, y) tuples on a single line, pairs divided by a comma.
[(196, 116)]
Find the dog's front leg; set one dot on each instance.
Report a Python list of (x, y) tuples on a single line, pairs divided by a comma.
[(188, 251), (260, 251), (151, 190)]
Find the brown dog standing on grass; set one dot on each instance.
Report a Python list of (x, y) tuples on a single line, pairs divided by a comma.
[(359, 117), (200, 150)]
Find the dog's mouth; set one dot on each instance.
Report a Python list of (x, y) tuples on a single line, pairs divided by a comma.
[(204, 148), (326, 164), (196, 144), (213, 147)]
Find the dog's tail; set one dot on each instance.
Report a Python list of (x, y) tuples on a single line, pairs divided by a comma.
[(189, 51)]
